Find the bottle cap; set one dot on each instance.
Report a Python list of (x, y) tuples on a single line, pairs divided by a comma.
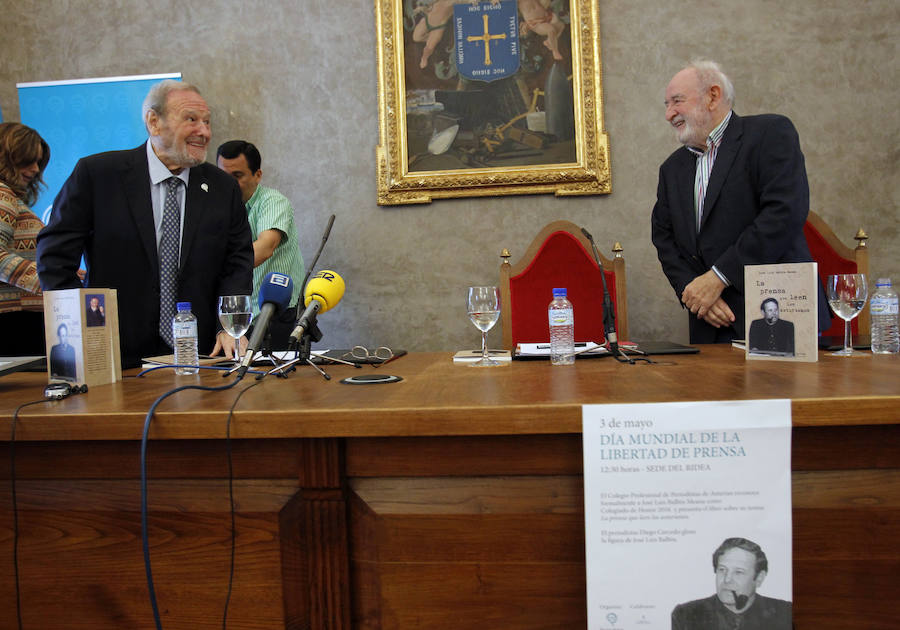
[(883, 282), (184, 306), (559, 292)]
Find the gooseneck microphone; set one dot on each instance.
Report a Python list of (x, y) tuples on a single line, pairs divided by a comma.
[(318, 253), (323, 292), (312, 265), (609, 311), (274, 295)]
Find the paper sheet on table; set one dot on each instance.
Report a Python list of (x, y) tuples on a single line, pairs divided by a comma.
[(543, 349)]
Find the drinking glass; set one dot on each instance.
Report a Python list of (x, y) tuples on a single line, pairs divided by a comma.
[(847, 293), (235, 312), (483, 306)]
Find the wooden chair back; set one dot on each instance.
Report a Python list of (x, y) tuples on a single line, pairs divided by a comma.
[(834, 257), (560, 256)]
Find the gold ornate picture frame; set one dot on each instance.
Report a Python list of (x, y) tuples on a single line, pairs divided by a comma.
[(536, 129)]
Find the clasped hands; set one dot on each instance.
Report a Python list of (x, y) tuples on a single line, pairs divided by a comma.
[(703, 296)]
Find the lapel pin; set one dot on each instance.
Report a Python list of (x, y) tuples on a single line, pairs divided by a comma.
[(204, 187)]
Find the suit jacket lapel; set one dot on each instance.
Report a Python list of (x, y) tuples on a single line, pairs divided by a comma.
[(136, 178), (194, 207), (731, 144), (687, 168)]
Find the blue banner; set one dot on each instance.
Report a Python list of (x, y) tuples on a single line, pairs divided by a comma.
[(486, 40), (82, 117)]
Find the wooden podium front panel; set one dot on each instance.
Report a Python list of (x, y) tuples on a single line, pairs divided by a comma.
[(80, 558), (314, 542), (846, 511), (440, 564), (454, 510), (490, 533), (467, 532)]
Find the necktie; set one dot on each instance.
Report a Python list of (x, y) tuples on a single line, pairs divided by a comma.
[(168, 259)]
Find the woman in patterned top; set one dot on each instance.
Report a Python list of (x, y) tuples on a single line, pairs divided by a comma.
[(23, 158)]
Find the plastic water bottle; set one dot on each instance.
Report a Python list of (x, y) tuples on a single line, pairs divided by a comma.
[(562, 329), (884, 310), (184, 334)]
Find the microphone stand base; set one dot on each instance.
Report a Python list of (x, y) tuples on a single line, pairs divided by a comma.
[(303, 353)]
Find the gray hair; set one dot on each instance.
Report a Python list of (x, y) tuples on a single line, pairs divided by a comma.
[(158, 95), (762, 563), (710, 74)]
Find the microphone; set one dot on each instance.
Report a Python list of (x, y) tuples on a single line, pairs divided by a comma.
[(323, 292), (609, 311), (274, 295), (316, 257)]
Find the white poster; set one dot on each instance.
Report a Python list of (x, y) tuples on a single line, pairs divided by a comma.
[(688, 515)]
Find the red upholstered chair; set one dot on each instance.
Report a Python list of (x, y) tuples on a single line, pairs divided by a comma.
[(834, 257), (560, 256)]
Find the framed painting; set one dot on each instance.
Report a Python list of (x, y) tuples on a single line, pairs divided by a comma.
[(490, 97)]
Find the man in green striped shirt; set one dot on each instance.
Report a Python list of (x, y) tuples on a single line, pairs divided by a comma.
[(275, 243)]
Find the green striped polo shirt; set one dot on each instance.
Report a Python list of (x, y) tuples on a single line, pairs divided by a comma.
[(268, 209)]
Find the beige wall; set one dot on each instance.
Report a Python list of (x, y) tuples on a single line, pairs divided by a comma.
[(298, 79)]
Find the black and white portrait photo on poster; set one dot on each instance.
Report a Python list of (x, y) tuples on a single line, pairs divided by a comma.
[(740, 567)]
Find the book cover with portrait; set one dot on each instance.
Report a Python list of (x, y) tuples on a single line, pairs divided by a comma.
[(82, 330), (780, 307)]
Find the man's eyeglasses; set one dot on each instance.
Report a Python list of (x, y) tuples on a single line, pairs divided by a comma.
[(361, 353)]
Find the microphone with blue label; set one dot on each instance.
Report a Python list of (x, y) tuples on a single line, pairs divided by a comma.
[(274, 295)]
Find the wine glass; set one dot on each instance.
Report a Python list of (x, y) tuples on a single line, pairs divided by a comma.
[(235, 312), (483, 306), (847, 293)]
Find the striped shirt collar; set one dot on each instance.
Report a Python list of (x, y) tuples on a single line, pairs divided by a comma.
[(715, 136), (254, 198)]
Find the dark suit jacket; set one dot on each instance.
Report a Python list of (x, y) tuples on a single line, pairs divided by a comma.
[(765, 613), (756, 204), (104, 210), (781, 335)]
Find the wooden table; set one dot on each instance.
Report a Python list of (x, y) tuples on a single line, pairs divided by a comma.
[(452, 499)]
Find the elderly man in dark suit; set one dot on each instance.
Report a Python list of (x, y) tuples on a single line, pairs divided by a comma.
[(156, 223), (735, 194), (95, 315)]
